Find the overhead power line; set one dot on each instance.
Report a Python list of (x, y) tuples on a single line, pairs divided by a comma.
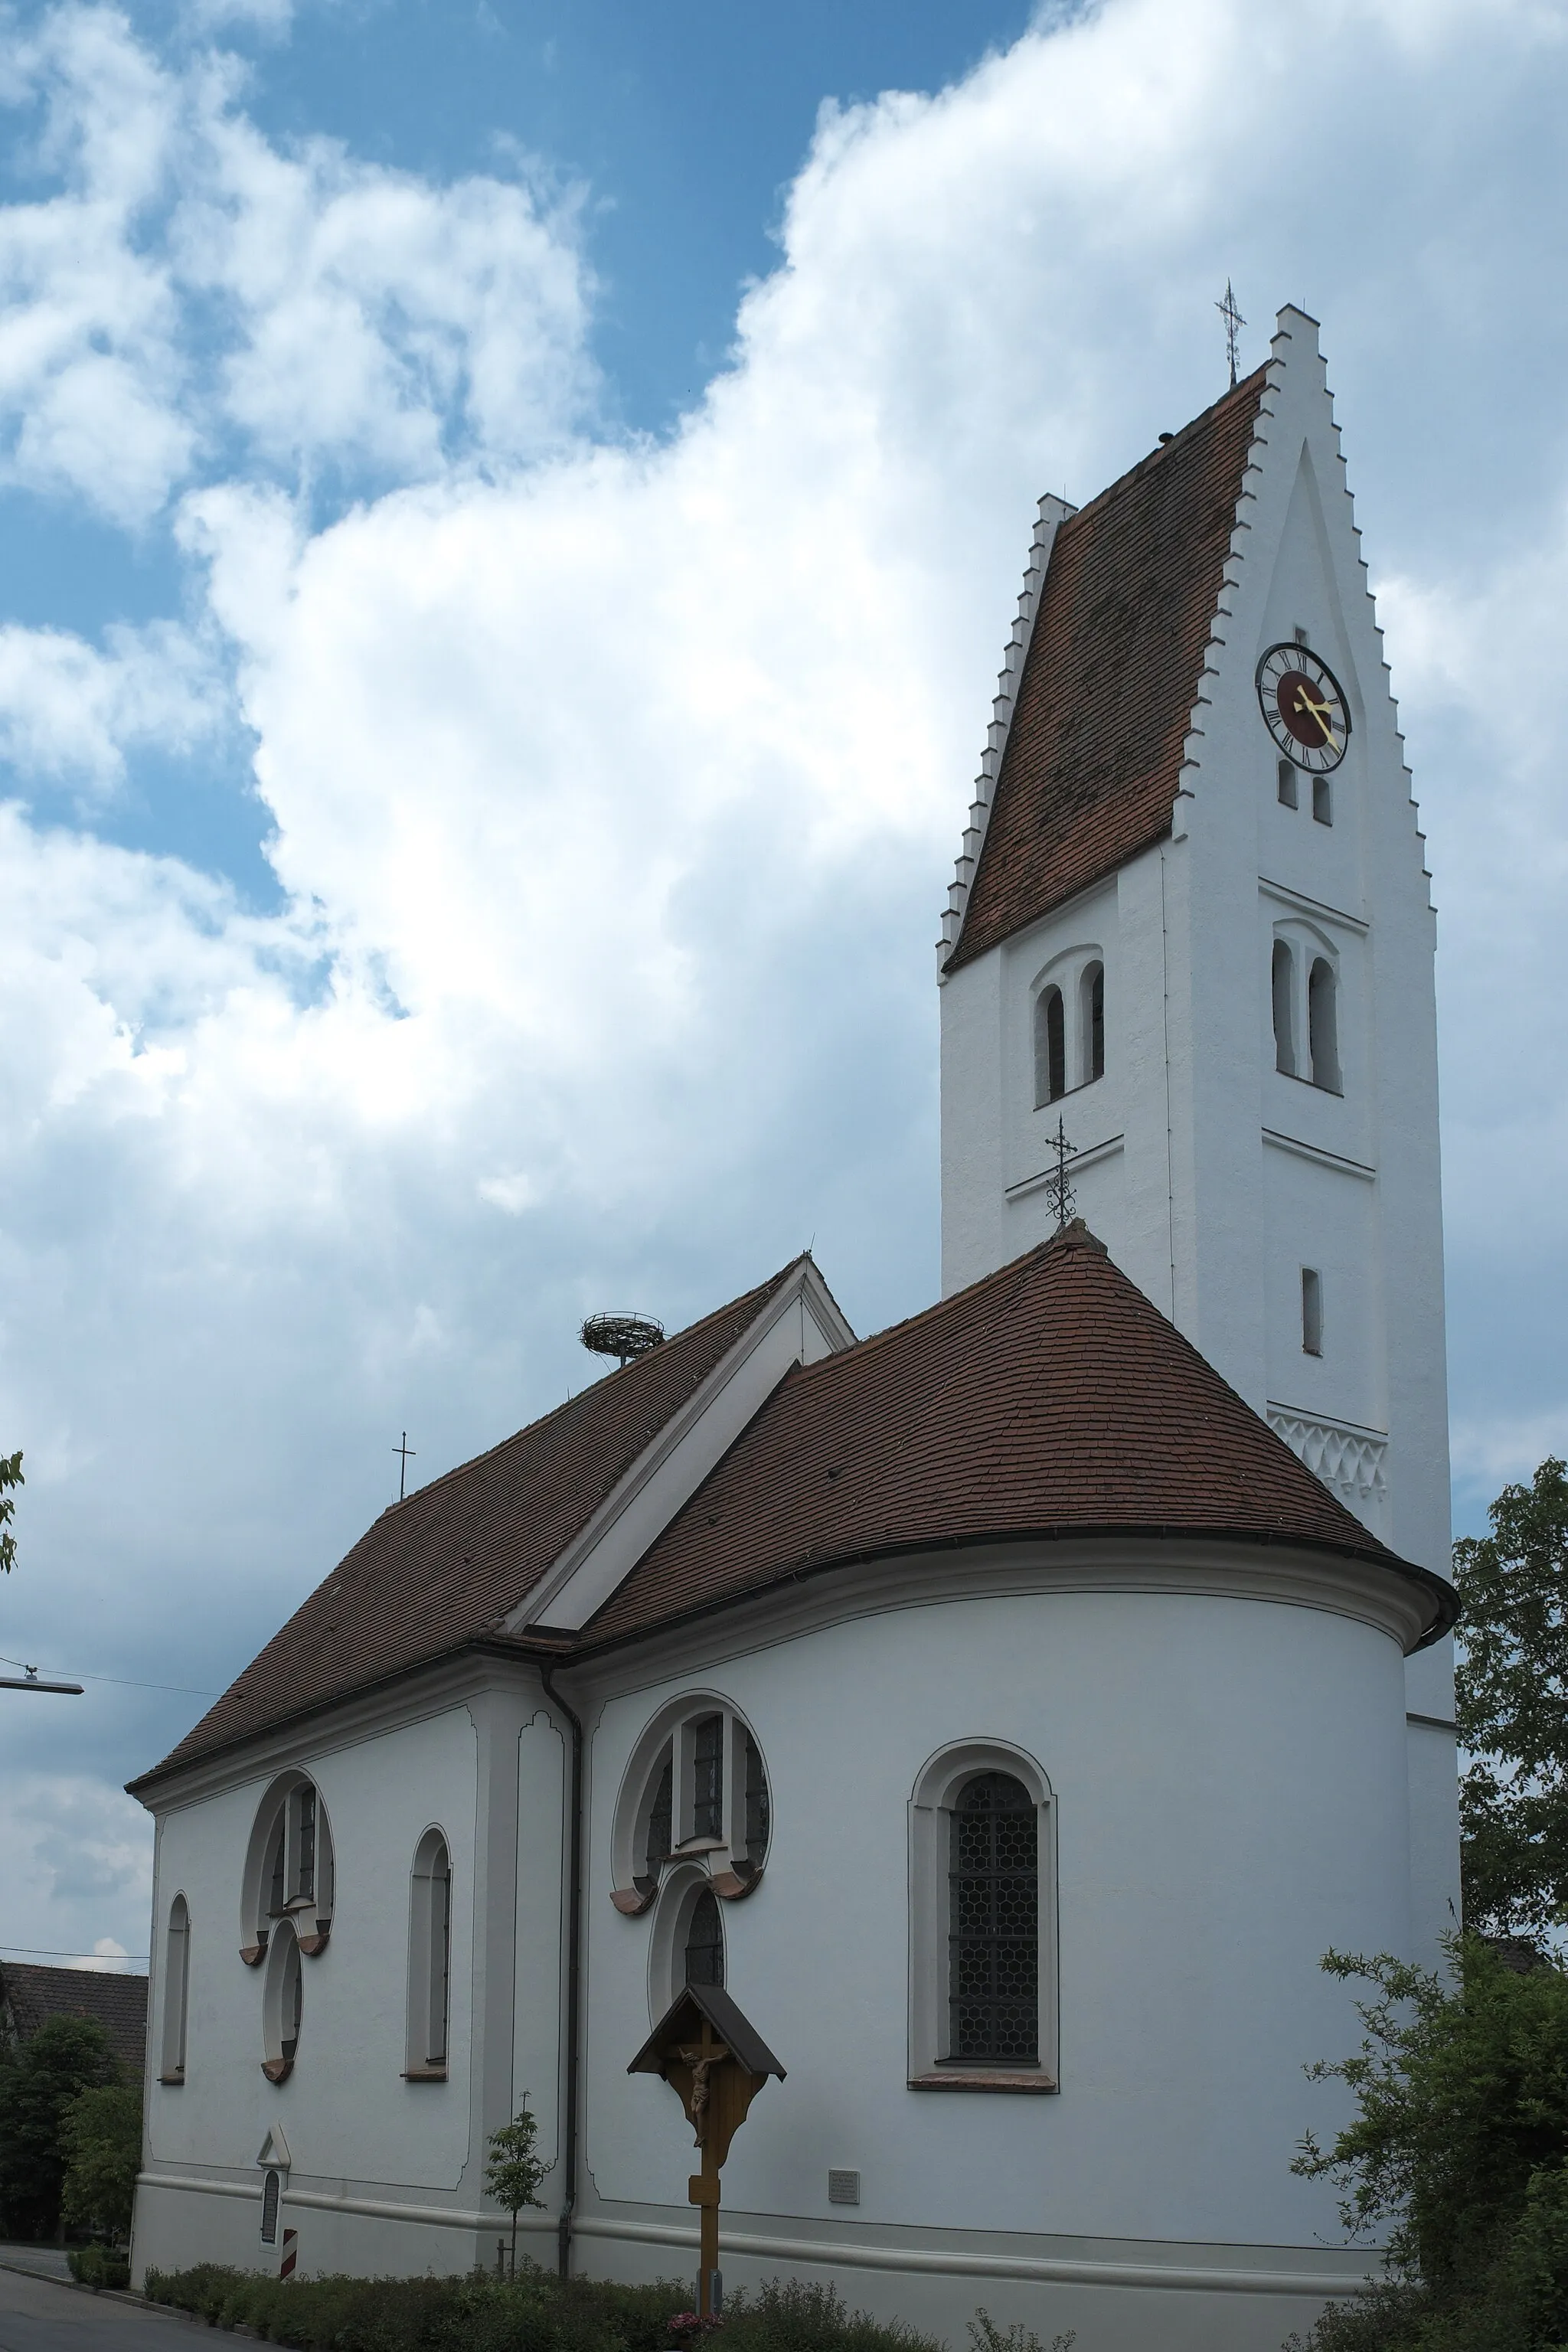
[(183, 1690)]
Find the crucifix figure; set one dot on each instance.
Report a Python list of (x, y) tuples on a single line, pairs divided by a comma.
[(702, 2058), (1234, 322), (406, 1453)]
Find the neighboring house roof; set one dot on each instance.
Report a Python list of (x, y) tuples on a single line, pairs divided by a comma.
[(1051, 1399), (452, 1561), (31, 1996), (1105, 703)]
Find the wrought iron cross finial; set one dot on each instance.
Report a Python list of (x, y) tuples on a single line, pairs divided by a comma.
[(1234, 322), (1058, 1192), (406, 1453)]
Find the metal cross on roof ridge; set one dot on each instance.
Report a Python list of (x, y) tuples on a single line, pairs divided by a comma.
[(1058, 1192), (1234, 322)]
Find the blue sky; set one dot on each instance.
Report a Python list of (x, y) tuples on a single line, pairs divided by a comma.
[(509, 519)]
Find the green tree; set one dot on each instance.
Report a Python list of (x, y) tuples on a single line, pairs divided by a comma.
[(10, 1476), (514, 2171), (1458, 2149), (1513, 1706), (38, 2081), (100, 2139)]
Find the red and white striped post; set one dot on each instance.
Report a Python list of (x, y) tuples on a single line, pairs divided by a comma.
[(290, 2254)]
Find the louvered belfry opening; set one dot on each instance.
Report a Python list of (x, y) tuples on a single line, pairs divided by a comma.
[(994, 1942)]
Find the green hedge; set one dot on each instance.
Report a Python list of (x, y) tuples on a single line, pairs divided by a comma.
[(534, 2313), (99, 2266)]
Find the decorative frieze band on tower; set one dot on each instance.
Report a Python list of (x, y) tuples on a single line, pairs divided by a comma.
[(1352, 1463), (1053, 513)]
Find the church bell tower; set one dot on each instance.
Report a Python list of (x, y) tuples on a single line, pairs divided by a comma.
[(1191, 932)]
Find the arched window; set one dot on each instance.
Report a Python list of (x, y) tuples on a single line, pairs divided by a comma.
[(289, 1872), (272, 2189), (1286, 783), (1050, 1047), (430, 1960), (1091, 998), (1323, 1025), (695, 1789), (282, 2004), (994, 1963), (1283, 977), (704, 1962), (176, 1992), (983, 2003)]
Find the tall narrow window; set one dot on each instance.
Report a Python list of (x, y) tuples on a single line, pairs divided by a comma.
[(1093, 991), (278, 1892), (1323, 1025), (993, 1923), (705, 1941), (1323, 798), (1051, 1046), (757, 1809), (660, 1821), (270, 2190), (429, 1958), (1311, 1311), (293, 1999), (176, 1991), (281, 2004), (1286, 783), (304, 1888), (708, 1770), (1283, 978)]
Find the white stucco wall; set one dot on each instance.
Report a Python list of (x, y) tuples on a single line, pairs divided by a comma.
[(1230, 1796)]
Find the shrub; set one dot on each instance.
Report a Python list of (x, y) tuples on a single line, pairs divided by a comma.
[(97, 2266), (535, 2311)]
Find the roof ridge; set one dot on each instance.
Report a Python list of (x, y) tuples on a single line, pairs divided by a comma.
[(596, 1388), (1162, 449)]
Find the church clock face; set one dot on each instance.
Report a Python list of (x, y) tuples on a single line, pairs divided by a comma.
[(1304, 708)]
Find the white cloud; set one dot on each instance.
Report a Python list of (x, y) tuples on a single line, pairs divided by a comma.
[(69, 711), (615, 785), (363, 318)]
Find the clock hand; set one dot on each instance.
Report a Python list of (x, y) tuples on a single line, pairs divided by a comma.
[(1319, 711)]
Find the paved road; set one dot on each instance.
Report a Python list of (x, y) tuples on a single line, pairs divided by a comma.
[(36, 2315)]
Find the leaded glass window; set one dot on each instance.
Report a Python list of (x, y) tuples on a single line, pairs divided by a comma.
[(707, 1765), (661, 1820), (757, 1822), (277, 1897), (306, 1888), (994, 1939), (705, 1941)]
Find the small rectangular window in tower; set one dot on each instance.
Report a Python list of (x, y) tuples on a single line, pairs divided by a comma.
[(1287, 783), (1322, 800), (1311, 1311)]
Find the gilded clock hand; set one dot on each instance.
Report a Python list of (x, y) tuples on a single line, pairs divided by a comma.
[(1319, 711)]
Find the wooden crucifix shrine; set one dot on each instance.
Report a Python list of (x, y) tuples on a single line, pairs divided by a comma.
[(716, 2063)]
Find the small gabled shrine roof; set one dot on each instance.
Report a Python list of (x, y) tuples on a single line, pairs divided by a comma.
[(1094, 751), (1051, 1399), (685, 2015)]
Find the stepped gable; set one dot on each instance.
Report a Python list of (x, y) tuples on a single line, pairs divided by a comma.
[(448, 1565), (1105, 702), (1050, 1399)]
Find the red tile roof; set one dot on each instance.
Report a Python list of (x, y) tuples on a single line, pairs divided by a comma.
[(452, 1563), (1050, 1399), (1105, 701), (31, 1996)]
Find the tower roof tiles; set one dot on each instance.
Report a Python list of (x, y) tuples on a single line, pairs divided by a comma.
[(1105, 701)]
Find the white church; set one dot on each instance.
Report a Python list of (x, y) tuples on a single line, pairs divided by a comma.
[(1007, 1709)]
